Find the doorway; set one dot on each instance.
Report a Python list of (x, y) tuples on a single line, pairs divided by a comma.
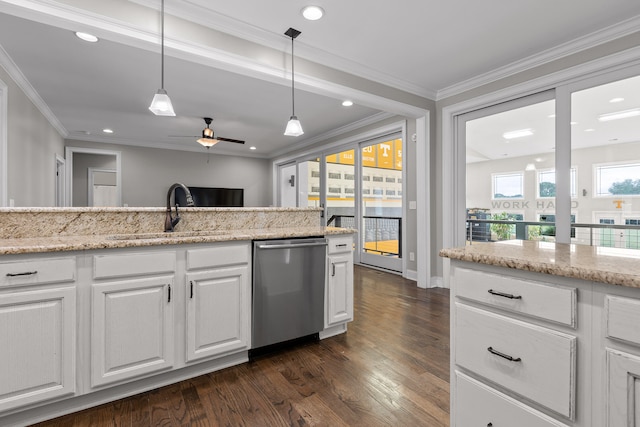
[(78, 162), (60, 182)]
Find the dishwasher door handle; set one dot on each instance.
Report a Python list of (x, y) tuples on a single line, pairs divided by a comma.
[(294, 246)]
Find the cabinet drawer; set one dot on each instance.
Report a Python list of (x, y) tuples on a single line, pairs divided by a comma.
[(544, 365), (338, 245), (622, 317), (37, 271), (219, 255), (477, 404), (536, 299), (133, 264)]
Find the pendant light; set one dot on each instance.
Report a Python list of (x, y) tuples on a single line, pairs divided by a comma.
[(294, 128), (161, 103)]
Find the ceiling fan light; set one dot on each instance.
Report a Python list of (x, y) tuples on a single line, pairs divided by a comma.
[(207, 133), (294, 128), (207, 141), (161, 104)]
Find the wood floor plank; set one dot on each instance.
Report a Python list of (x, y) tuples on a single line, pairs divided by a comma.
[(390, 369)]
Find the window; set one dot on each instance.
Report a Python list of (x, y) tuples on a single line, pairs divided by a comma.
[(391, 192), (349, 191), (508, 186), (366, 191), (378, 179), (547, 183), (617, 180), (315, 174), (335, 190), (378, 192), (349, 176), (334, 175), (366, 178), (388, 179), (315, 189), (399, 180)]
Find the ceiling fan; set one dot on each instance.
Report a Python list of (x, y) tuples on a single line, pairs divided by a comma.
[(209, 139)]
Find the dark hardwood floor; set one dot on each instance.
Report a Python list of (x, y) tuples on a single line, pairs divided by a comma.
[(390, 369)]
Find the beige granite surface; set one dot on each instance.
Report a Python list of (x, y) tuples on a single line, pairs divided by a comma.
[(112, 241), (34, 230), (55, 222), (613, 266)]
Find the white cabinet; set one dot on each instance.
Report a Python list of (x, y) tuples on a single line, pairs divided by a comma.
[(218, 301), (37, 329), (514, 350), (622, 390), (37, 350), (132, 321), (339, 292)]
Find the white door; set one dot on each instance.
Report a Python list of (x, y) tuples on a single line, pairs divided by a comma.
[(37, 332), (131, 329), (218, 312)]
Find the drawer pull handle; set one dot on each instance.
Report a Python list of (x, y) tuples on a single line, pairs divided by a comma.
[(341, 245), (26, 273), (505, 356), (502, 294)]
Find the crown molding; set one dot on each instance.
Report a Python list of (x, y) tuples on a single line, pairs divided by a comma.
[(596, 38), (375, 118), (195, 148), (204, 14), (16, 75)]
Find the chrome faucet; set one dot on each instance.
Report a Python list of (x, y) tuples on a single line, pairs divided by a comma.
[(169, 220)]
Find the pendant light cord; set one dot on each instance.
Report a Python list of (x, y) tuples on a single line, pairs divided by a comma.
[(293, 99), (162, 46)]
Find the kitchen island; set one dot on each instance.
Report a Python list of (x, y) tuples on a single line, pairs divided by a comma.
[(544, 334), (97, 304)]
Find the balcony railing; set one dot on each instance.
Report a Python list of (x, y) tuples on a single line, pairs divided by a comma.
[(382, 234), (621, 236)]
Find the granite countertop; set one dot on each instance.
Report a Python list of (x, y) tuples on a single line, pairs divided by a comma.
[(613, 266), (112, 241)]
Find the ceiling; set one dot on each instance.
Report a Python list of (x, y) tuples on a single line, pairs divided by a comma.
[(424, 47)]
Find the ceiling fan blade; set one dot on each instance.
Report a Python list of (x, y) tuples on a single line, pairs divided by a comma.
[(237, 141), (184, 136)]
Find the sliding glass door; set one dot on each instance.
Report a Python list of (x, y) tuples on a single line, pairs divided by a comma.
[(381, 203)]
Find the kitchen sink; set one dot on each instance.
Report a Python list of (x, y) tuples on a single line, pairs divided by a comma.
[(174, 235)]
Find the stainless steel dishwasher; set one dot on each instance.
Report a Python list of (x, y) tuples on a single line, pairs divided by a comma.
[(288, 289)]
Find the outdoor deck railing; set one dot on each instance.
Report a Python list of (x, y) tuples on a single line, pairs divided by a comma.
[(611, 235), (382, 234)]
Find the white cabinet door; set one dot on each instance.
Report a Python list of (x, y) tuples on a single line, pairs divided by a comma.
[(131, 329), (623, 389), (37, 346), (218, 312), (339, 296)]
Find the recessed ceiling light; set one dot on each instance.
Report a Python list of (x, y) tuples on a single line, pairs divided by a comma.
[(252, 148), (551, 116), (614, 100), (538, 159), (107, 130), (574, 123), (517, 133), (589, 130), (619, 115), (347, 103), (86, 37), (312, 13)]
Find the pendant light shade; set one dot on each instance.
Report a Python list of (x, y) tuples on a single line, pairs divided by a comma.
[(161, 104), (294, 128)]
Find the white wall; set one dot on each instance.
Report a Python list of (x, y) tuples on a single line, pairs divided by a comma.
[(32, 146), (148, 173)]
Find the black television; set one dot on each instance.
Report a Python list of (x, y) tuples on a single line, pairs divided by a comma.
[(212, 197)]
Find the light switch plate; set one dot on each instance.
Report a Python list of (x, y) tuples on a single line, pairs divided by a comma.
[(412, 204)]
